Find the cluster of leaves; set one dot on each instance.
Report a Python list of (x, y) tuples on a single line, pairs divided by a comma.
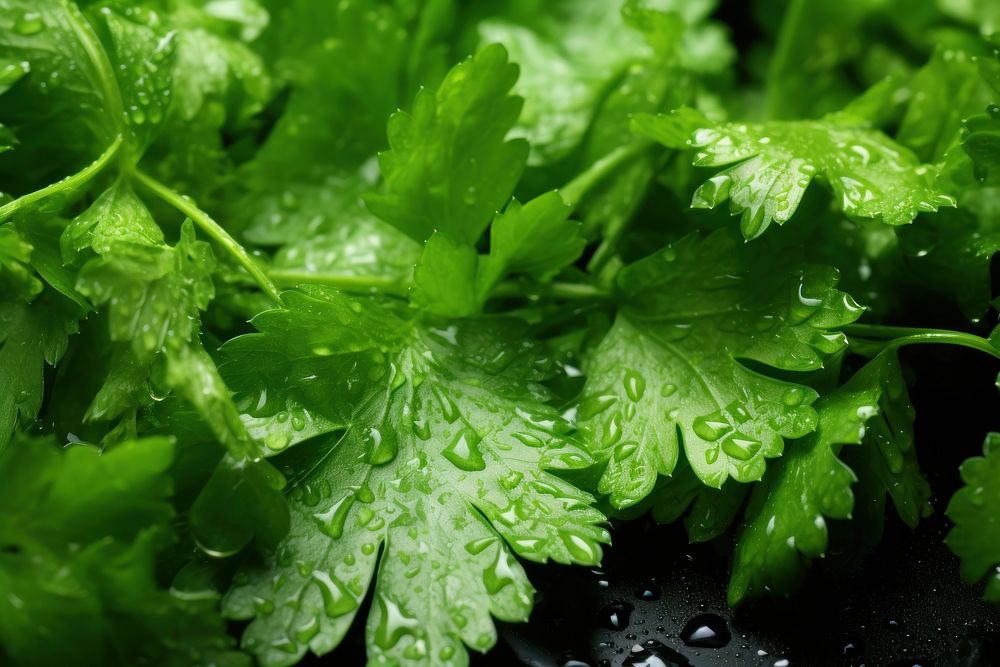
[(479, 326)]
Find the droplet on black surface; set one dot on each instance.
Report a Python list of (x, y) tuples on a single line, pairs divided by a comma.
[(853, 648), (706, 631), (574, 660), (615, 615), (911, 662), (648, 592), (654, 654)]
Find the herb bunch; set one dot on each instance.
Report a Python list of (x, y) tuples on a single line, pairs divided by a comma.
[(310, 318)]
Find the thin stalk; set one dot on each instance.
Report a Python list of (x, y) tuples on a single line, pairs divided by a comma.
[(186, 206), (574, 191), (895, 337), (67, 184), (390, 287), (560, 290), (343, 282)]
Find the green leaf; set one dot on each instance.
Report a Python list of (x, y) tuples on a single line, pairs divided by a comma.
[(77, 562), (536, 240), (60, 45), (142, 61), (15, 267), (444, 282), (117, 216), (871, 176), (242, 500), (569, 54), (786, 519), (364, 247), (31, 336), (441, 427), (155, 293), (975, 538), (450, 167), (12, 71), (669, 374)]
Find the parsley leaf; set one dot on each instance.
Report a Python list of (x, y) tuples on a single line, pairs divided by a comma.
[(450, 167), (441, 427), (871, 175), (786, 519), (77, 561), (668, 373), (974, 537)]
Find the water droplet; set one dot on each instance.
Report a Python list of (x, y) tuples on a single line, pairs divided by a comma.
[(382, 446), (793, 396), (594, 405), (668, 390), (285, 645), (711, 455), (625, 450), (511, 479), (571, 660), (648, 592), (579, 548), (706, 631), (612, 430), (29, 23), (502, 572), (654, 654), (464, 452), (332, 521), (393, 624), (615, 615), (337, 600), (741, 447), (448, 408), (635, 384), (710, 427), (305, 632), (478, 546), (422, 429)]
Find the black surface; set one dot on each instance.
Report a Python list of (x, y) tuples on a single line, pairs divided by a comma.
[(902, 602)]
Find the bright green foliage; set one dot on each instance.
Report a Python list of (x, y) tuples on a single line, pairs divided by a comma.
[(973, 510), (534, 240), (15, 272), (77, 561), (30, 337), (337, 301), (155, 291), (449, 167), (870, 175), (444, 426), (786, 519), (668, 373)]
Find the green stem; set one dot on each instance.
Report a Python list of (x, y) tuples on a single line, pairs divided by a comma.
[(561, 290), (110, 92), (782, 52), (896, 337), (67, 184), (574, 191), (186, 206), (343, 282), (391, 287)]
